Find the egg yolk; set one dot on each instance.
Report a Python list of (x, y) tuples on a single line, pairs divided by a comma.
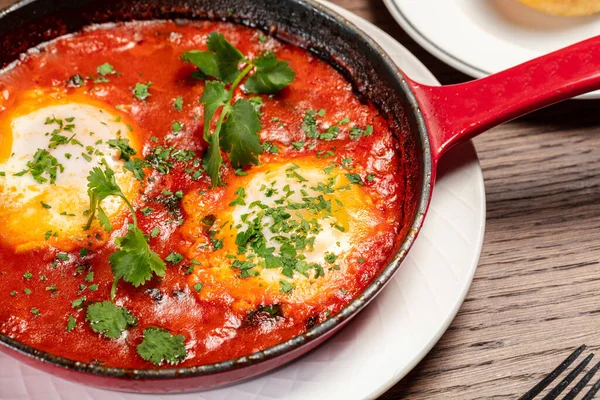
[(285, 233), (49, 144)]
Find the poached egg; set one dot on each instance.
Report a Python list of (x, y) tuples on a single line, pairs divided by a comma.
[(49, 143)]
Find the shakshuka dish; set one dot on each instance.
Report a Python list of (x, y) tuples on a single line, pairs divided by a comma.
[(183, 193)]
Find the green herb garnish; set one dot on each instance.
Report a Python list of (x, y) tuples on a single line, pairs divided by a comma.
[(108, 319), (160, 346), (141, 90), (237, 127), (178, 104), (134, 262), (43, 163)]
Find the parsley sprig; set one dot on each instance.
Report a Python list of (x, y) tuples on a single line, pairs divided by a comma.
[(108, 319), (160, 345), (238, 124), (134, 262), (102, 184)]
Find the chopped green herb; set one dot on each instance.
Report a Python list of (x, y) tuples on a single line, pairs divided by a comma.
[(108, 319), (241, 195), (298, 145), (330, 258), (286, 287), (178, 103), (357, 132), (147, 210), (159, 346), (174, 258), (269, 147), (78, 303), (141, 90), (71, 324), (43, 163), (105, 69), (123, 146), (176, 126), (355, 179)]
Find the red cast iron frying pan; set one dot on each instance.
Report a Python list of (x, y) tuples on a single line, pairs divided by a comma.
[(427, 121)]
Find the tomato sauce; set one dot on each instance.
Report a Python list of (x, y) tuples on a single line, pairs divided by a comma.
[(150, 52)]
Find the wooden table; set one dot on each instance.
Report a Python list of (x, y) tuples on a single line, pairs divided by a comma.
[(536, 294)]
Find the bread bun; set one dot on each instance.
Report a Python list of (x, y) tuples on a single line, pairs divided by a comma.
[(566, 8)]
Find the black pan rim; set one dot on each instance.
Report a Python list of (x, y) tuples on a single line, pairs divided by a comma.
[(317, 331)]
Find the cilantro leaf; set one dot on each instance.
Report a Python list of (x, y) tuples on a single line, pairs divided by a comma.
[(355, 179), (135, 262), (213, 97), (140, 91), (271, 75), (159, 346), (178, 103), (105, 69), (108, 319), (221, 61), (136, 166), (71, 324), (240, 134), (286, 287), (237, 128), (213, 160), (174, 258), (101, 184)]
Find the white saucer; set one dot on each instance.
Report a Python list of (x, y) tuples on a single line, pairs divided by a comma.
[(482, 37), (389, 337)]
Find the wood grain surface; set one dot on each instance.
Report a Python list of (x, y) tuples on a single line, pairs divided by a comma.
[(536, 293)]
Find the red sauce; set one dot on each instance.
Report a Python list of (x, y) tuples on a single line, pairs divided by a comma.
[(143, 52)]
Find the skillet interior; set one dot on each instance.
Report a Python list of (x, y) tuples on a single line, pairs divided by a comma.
[(304, 23)]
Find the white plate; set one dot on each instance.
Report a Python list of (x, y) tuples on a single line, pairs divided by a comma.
[(482, 37), (387, 339)]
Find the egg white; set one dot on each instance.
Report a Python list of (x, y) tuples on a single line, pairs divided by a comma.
[(352, 219), (35, 214)]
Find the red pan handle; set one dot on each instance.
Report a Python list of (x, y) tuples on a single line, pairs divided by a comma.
[(456, 113)]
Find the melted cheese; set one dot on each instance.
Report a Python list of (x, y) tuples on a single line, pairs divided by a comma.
[(38, 212), (308, 217)]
